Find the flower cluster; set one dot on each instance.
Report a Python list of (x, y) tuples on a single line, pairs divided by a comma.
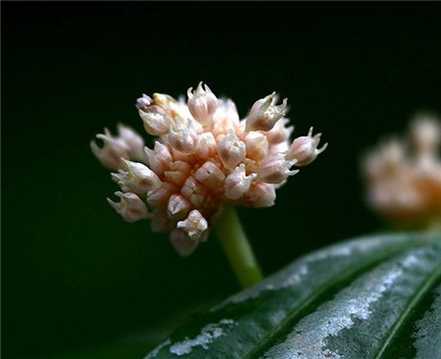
[(404, 177), (204, 157)]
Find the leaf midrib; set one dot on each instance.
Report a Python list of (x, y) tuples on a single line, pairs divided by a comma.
[(420, 293), (317, 294)]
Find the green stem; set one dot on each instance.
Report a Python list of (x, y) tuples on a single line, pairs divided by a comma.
[(237, 248)]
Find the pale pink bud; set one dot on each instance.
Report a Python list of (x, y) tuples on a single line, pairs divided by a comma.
[(158, 197), (182, 140), (231, 150), (131, 207), (426, 134), (143, 102), (304, 149), (265, 113), (202, 103), (226, 117), (206, 145), (194, 226), (194, 192), (159, 158), (134, 142), (178, 172), (138, 178), (279, 133), (114, 148), (261, 195), (276, 169), (210, 175), (155, 120), (237, 182), (178, 206), (257, 145), (183, 245)]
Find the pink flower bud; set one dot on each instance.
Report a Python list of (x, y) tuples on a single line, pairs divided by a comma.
[(178, 206), (304, 149), (143, 102), (182, 140), (257, 145), (210, 175), (206, 145), (133, 141), (202, 103), (183, 245), (131, 207), (178, 172), (194, 226), (138, 178), (279, 133), (261, 195), (231, 150), (194, 192), (237, 182), (113, 150), (155, 120), (265, 113), (159, 158), (276, 169)]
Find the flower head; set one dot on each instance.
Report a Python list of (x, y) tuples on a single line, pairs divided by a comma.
[(404, 176), (205, 157)]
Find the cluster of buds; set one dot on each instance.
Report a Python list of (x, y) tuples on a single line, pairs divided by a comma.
[(404, 177), (204, 157)]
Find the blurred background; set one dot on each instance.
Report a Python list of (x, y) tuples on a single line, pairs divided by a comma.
[(75, 277)]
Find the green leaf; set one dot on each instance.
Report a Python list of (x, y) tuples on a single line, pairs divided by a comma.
[(373, 297)]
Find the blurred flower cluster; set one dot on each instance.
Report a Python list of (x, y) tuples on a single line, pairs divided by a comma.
[(204, 157), (404, 176)]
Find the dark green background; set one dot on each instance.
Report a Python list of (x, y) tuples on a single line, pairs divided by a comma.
[(74, 275)]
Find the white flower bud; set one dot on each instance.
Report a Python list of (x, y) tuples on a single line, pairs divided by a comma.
[(158, 197), (159, 158), (114, 148), (276, 169), (231, 150), (138, 178), (155, 120), (226, 117), (182, 140), (178, 206), (265, 113), (143, 102), (257, 145), (210, 175), (279, 133), (425, 133), (183, 245), (194, 226), (206, 145), (261, 195), (202, 104), (178, 172), (237, 182), (194, 192), (131, 207), (304, 149), (133, 141)]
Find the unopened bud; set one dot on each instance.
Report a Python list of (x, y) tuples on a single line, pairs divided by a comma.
[(265, 113), (261, 195), (276, 169), (237, 182), (210, 175), (257, 145), (202, 103), (231, 150), (183, 245), (304, 149), (194, 225), (131, 207)]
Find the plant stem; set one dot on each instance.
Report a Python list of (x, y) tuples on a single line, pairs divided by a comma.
[(237, 248)]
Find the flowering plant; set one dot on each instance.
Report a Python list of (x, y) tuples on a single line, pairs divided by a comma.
[(205, 160)]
